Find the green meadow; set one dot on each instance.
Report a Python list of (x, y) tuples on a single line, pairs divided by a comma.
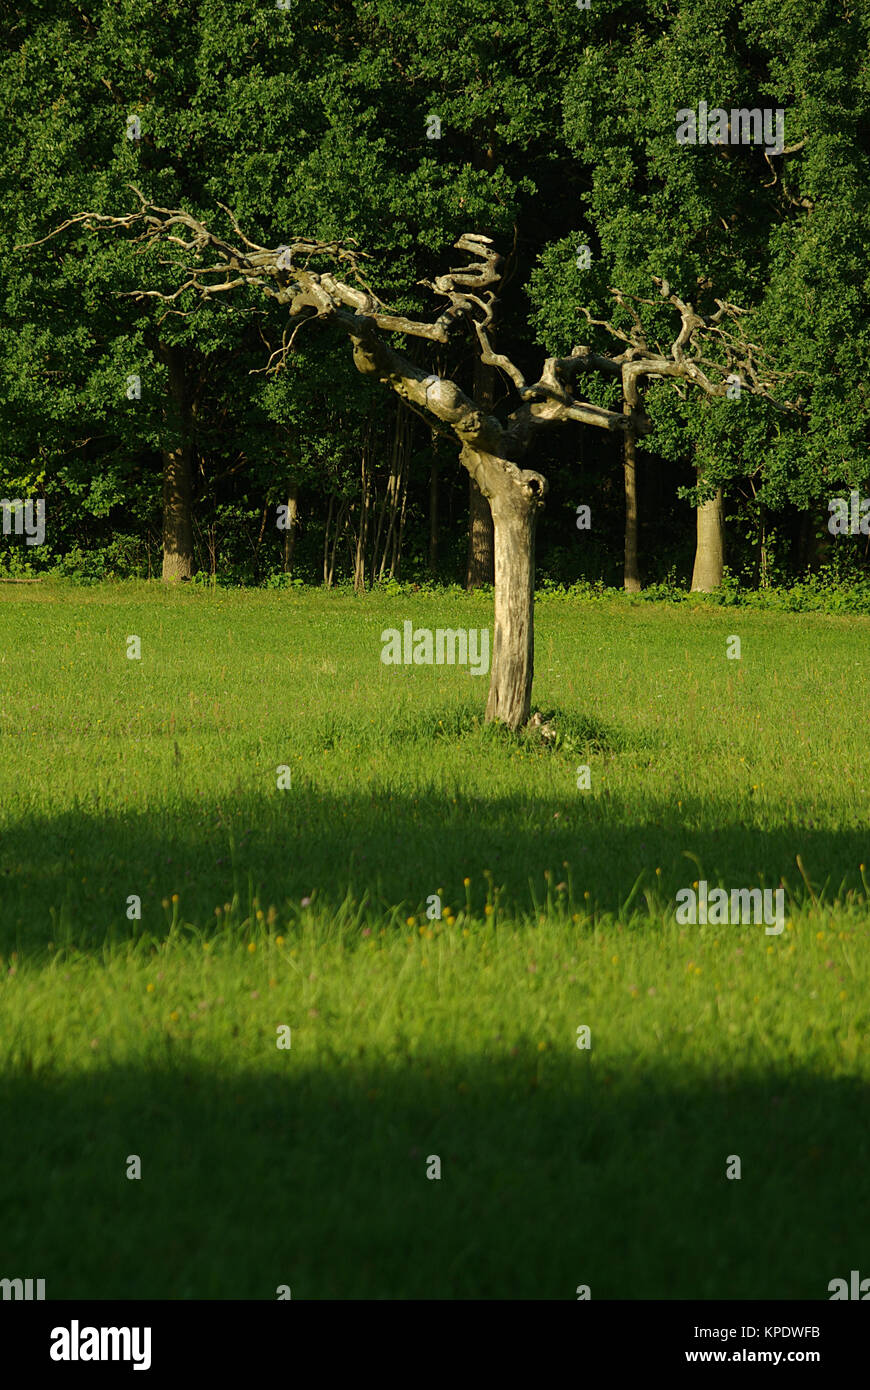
[(304, 907)]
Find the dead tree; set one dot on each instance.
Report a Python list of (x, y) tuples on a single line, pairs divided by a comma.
[(324, 281)]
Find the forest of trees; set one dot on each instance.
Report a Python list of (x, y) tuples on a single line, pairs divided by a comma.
[(189, 436)]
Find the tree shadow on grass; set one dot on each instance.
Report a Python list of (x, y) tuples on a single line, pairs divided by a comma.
[(555, 1172), (69, 877)]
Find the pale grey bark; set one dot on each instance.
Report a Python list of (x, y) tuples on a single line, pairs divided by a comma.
[(710, 545)]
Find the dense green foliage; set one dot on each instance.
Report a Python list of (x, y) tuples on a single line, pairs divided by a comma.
[(557, 130)]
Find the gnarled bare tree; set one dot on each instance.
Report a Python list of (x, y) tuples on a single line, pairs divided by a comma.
[(324, 281)]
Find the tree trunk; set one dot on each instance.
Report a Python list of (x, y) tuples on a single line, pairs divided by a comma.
[(631, 572), (392, 495), (326, 573), (480, 563), (433, 512), (513, 646), (398, 533), (258, 547), (816, 543), (480, 566), (340, 529), (514, 498), (177, 470), (710, 546), (292, 523), (763, 554), (362, 537)]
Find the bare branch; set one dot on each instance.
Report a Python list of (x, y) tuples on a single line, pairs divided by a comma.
[(686, 359)]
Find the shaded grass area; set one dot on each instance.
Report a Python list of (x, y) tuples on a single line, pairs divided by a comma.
[(560, 1165), (69, 878), (549, 1179)]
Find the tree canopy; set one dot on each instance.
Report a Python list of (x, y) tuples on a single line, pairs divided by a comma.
[(550, 129)]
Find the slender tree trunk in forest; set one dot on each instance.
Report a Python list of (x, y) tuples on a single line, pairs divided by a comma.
[(177, 453), (385, 540), (257, 548), (631, 572), (763, 553), (398, 532), (326, 575), (433, 512), (480, 565), (816, 542), (710, 545), (340, 529), (292, 524), (631, 403), (359, 560)]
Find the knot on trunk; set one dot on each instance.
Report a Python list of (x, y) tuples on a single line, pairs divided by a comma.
[(535, 484)]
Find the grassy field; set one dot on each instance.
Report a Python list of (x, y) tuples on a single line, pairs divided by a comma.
[(305, 907)]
